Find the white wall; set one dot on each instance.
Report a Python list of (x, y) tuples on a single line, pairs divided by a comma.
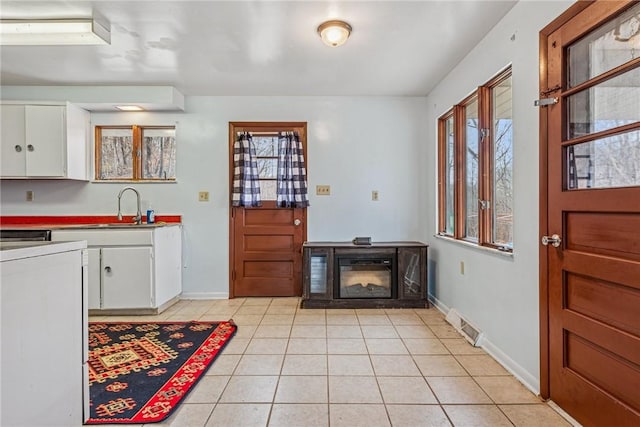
[(355, 144), (496, 293)]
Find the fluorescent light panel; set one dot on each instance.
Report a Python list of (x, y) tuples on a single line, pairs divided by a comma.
[(49, 32), (129, 108)]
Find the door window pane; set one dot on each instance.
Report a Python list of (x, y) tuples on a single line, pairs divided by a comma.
[(449, 177), (267, 158), (605, 48), (268, 189), (604, 163), (471, 172), (502, 164), (267, 168), (613, 103), (159, 153), (116, 154), (266, 146)]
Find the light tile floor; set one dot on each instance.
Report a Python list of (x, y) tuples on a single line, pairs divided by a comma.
[(293, 367)]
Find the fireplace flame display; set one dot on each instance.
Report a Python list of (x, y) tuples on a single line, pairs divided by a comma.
[(366, 278)]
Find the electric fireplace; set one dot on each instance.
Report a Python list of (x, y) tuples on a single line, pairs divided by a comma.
[(376, 275)]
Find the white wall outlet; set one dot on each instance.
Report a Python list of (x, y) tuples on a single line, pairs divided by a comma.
[(30, 195), (374, 195), (203, 196), (323, 190)]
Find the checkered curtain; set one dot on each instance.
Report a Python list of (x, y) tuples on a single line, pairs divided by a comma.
[(246, 183), (292, 174)]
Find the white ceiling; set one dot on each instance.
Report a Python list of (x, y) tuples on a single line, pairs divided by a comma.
[(255, 47)]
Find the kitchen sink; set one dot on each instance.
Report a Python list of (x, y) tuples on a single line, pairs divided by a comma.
[(119, 225)]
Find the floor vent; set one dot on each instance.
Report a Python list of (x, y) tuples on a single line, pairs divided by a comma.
[(468, 331)]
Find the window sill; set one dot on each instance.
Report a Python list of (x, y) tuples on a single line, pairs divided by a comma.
[(474, 246), (131, 181)]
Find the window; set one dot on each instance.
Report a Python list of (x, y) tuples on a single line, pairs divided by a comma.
[(475, 167), (139, 153)]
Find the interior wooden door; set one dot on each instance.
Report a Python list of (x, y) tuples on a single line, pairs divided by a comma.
[(590, 264), (266, 241), (268, 258)]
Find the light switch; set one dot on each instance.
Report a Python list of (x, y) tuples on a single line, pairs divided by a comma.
[(30, 196), (374, 195)]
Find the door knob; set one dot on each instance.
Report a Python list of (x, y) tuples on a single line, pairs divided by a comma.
[(554, 240), (297, 222)]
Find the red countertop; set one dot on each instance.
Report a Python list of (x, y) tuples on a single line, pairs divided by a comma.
[(72, 220)]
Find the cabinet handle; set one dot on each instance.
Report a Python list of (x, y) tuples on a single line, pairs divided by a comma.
[(18, 148), (30, 147), (107, 269)]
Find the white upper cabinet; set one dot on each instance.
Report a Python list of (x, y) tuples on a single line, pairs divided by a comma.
[(44, 141)]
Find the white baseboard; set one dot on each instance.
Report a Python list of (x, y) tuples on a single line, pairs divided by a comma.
[(204, 295), (528, 380), (438, 304)]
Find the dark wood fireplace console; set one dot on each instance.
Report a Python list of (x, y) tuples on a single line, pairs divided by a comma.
[(399, 270)]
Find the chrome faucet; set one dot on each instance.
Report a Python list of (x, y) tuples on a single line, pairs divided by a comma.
[(138, 217)]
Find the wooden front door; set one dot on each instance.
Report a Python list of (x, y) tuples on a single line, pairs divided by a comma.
[(266, 241), (590, 182)]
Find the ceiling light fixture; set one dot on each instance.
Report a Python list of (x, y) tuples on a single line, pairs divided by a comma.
[(334, 33), (48, 32), (129, 108)]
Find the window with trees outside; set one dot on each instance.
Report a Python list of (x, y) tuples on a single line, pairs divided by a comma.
[(475, 167), (137, 153)]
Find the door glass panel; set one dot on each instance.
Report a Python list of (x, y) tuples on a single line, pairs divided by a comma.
[(267, 159), (318, 273), (613, 103), (116, 152), (450, 178), (604, 163), (502, 164), (266, 146), (605, 48), (268, 189), (267, 168), (472, 165)]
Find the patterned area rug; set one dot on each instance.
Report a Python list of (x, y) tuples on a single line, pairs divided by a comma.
[(140, 372)]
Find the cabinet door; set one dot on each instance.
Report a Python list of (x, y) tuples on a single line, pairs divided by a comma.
[(412, 273), (126, 277), (318, 273), (45, 140), (93, 287), (12, 140)]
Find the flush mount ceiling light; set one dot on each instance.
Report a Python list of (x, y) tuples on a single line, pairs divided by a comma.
[(129, 108), (48, 32), (334, 33)]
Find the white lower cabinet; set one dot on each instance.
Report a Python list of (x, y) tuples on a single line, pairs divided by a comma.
[(135, 269), (44, 336)]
